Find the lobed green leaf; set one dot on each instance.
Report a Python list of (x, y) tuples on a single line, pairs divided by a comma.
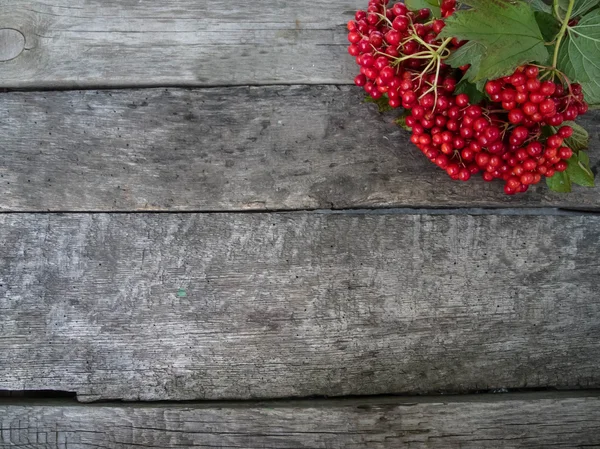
[(549, 25), (579, 56), (507, 30), (579, 171), (539, 5), (560, 182), (580, 139), (470, 53), (579, 8)]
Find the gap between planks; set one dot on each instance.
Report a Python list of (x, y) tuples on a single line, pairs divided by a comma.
[(493, 396), (542, 211)]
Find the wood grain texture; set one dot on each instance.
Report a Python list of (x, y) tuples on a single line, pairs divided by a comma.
[(471, 423), (251, 148), (125, 43), (238, 306)]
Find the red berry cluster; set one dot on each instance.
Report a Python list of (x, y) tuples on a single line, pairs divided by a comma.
[(401, 56), (395, 48)]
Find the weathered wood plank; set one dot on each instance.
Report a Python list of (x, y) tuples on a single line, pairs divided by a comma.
[(443, 423), (227, 149), (224, 306), (90, 43)]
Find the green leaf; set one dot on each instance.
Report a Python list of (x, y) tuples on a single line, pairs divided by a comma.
[(579, 170), (401, 121), (433, 5), (579, 8), (181, 293), (539, 5), (470, 53), (474, 91), (580, 139), (585, 159), (549, 25), (579, 56), (560, 182), (507, 29), (382, 103)]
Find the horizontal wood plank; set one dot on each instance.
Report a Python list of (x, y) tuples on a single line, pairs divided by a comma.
[(125, 43), (238, 306), (443, 423), (251, 148)]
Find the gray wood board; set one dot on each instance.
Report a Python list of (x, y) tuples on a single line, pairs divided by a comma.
[(239, 306), (250, 148), (125, 43), (443, 423)]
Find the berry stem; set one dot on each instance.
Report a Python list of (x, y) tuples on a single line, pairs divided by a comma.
[(563, 29), (444, 45)]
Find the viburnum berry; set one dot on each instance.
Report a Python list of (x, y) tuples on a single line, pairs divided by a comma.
[(517, 133)]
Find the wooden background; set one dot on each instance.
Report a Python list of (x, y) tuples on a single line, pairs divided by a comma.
[(196, 205)]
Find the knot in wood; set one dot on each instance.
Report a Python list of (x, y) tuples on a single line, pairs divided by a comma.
[(12, 43)]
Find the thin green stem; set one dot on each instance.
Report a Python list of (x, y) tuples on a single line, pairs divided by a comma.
[(563, 30), (444, 45)]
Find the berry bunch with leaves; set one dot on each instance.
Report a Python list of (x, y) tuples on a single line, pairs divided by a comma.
[(487, 86)]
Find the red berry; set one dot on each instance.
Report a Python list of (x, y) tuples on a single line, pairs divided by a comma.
[(531, 71), (560, 166), (354, 37), (516, 116), (509, 95), (393, 37), (474, 111), (441, 161), (565, 132), (488, 177), (555, 141), (521, 97), (360, 80), (462, 100), (453, 170), (547, 107), (409, 98), (565, 153), (464, 174), (482, 159), (527, 178), (513, 182), (530, 108), (492, 133), (555, 120), (424, 13), (534, 149), (533, 84), (548, 88), (438, 25), (529, 164), (493, 87), (518, 79)]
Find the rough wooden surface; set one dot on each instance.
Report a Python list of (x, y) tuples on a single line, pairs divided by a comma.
[(289, 147), (528, 421), (224, 306), (91, 43)]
